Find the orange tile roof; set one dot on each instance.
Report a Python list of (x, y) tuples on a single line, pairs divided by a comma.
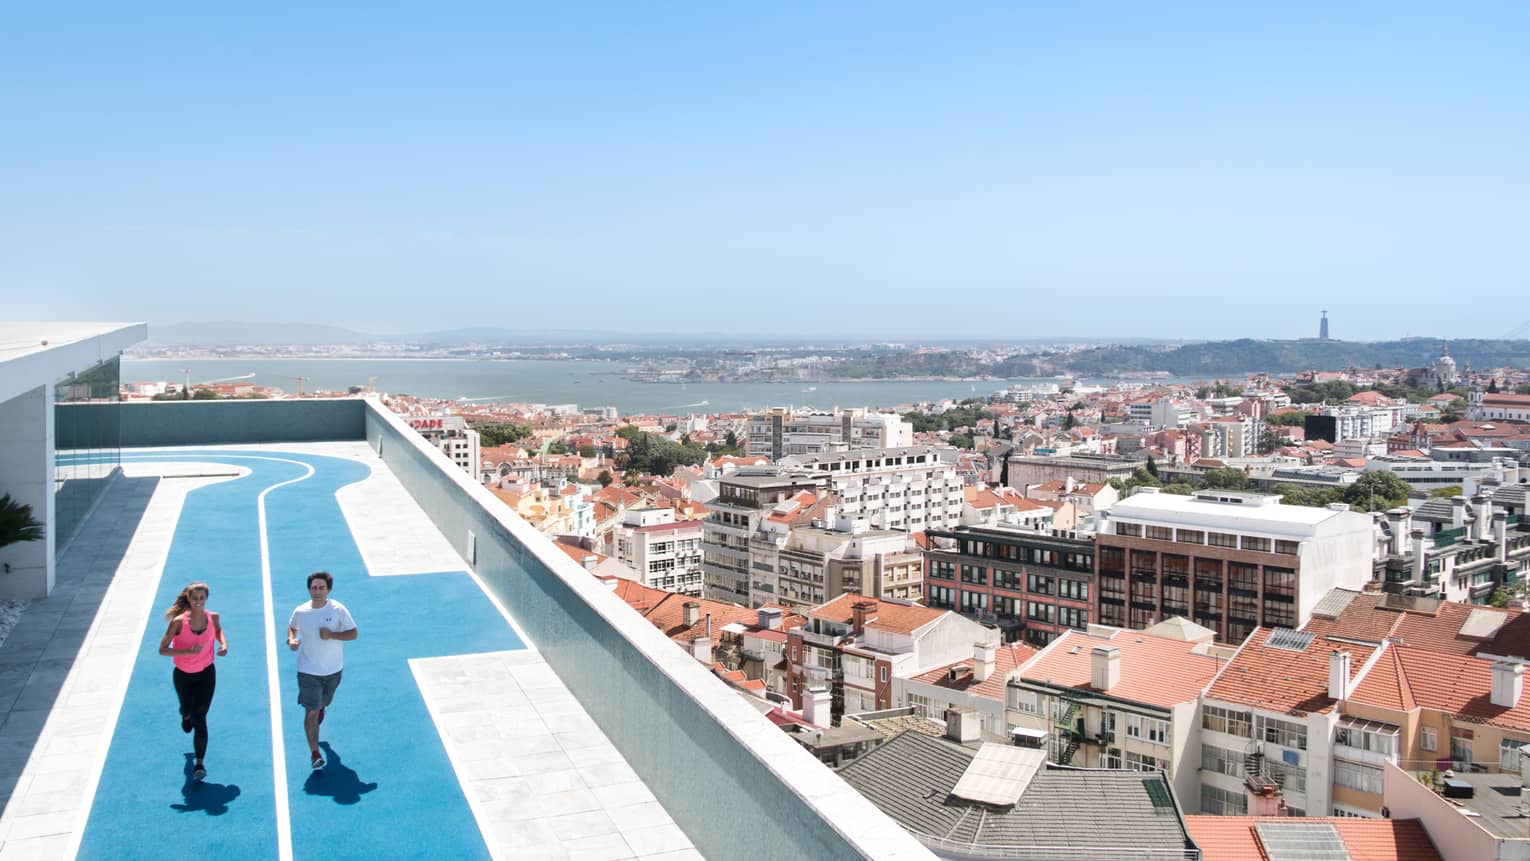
[(1232, 838), (1282, 680), (1157, 671), (888, 615), (1459, 685), (1438, 629), (669, 616), (1008, 657)]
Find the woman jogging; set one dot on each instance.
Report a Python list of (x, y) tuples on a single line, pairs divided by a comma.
[(190, 641)]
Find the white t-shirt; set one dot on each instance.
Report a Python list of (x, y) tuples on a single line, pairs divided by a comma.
[(315, 656)]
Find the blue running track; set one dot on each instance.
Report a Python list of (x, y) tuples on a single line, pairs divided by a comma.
[(388, 790)]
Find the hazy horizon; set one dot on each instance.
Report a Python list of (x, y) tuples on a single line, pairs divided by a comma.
[(887, 173)]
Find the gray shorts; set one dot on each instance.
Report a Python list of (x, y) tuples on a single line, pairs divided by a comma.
[(316, 692)]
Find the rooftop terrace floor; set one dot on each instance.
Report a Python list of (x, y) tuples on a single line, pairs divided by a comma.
[(449, 736)]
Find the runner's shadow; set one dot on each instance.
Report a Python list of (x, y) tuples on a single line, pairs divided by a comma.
[(210, 798), (335, 780)]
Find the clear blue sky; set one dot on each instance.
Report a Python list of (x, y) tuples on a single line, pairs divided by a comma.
[(1017, 169)]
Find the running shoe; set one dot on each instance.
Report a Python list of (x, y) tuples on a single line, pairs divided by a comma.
[(316, 761), (199, 773)]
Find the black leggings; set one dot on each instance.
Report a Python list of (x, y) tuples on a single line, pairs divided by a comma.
[(196, 692)]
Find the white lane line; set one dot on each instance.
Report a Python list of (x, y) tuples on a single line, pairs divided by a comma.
[(278, 759), (170, 508)]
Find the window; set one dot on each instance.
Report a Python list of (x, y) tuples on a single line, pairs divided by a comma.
[(1279, 581), (1508, 754), (882, 673), (1073, 590), (974, 574), (940, 570), (1190, 536), (1150, 729), (1292, 777), (1132, 529), (1027, 702), (1286, 548), (1261, 545), (1222, 802), (1221, 760), (1221, 539), (1073, 617), (1160, 533), (1352, 776), (1375, 741), (1461, 750), (1285, 733), (1175, 565), (1228, 721), (1041, 584), (1143, 762), (1112, 560), (974, 602), (1428, 739), (1241, 576)]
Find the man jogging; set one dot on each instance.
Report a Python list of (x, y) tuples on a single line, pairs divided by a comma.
[(315, 631)]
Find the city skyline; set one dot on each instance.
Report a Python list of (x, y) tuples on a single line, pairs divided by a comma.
[(1191, 173)]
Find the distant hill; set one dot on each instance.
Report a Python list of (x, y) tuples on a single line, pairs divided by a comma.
[(1219, 358)]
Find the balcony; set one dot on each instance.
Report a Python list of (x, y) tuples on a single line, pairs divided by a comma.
[(581, 660)]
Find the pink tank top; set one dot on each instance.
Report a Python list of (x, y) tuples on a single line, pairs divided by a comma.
[(187, 638)]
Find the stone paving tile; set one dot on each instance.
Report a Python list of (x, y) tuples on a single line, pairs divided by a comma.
[(539, 793)]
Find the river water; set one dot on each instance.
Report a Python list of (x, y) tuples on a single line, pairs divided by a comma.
[(586, 382)]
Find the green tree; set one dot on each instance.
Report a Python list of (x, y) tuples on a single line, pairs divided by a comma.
[(1446, 492), (1295, 418), (1179, 488), (1226, 478), (1377, 490), (501, 433), (587, 451), (960, 440), (204, 395), (1492, 387), (1269, 440), (1152, 467), (605, 478), (731, 440), (17, 523), (1307, 495), (1522, 389), (558, 446)]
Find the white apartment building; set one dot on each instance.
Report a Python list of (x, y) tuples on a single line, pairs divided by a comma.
[(452, 436), (1356, 422), (1428, 473), (783, 432), (663, 553), (743, 501), (908, 489), (802, 566)]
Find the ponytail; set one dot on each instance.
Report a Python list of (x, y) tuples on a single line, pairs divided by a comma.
[(182, 602)]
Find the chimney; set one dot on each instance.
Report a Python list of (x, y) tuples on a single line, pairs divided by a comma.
[(982, 661), (1457, 512), (1482, 509), (1397, 524), (1418, 555), (816, 708), (701, 649), (769, 617), (1263, 796), (692, 613), (862, 612), (1104, 667), (1508, 683), (1068, 485), (1500, 534), (962, 724), (1338, 674)]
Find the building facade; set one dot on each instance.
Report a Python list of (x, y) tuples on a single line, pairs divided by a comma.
[(782, 432), (743, 500), (1228, 561), (908, 489), (1033, 585), (661, 552)]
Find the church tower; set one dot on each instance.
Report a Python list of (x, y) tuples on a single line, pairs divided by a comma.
[(1323, 327)]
